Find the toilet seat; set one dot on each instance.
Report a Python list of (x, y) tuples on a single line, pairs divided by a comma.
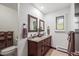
[(9, 50)]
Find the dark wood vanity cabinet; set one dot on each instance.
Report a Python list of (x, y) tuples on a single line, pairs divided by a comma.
[(2, 40), (6, 39), (39, 48), (9, 38)]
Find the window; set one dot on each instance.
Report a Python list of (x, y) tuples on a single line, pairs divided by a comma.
[(60, 23)]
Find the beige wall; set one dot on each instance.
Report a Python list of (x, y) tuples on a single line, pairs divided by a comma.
[(59, 38), (8, 20)]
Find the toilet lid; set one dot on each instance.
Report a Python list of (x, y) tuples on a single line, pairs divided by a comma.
[(8, 49)]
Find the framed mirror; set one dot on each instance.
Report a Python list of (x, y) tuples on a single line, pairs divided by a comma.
[(32, 23), (41, 25)]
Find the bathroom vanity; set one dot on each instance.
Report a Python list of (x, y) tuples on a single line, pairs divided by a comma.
[(39, 46)]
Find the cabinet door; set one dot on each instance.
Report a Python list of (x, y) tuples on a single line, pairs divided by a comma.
[(2, 40), (32, 48), (47, 44), (41, 48), (9, 38), (9, 43), (2, 44)]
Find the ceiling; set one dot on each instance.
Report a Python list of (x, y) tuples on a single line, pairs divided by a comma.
[(50, 7), (10, 5), (43, 7)]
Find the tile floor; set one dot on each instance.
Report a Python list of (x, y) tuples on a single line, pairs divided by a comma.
[(53, 52)]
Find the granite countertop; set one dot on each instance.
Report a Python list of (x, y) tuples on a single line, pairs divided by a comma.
[(38, 39)]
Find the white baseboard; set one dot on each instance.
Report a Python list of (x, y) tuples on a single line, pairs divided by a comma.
[(61, 49)]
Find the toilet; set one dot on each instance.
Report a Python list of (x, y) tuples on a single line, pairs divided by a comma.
[(9, 51)]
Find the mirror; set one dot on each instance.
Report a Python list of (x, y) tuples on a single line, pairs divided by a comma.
[(32, 23), (76, 5), (41, 25)]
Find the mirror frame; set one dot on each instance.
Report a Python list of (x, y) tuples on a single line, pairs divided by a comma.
[(29, 19), (40, 25)]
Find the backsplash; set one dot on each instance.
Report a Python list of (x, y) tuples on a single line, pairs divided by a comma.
[(32, 34), (35, 33)]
